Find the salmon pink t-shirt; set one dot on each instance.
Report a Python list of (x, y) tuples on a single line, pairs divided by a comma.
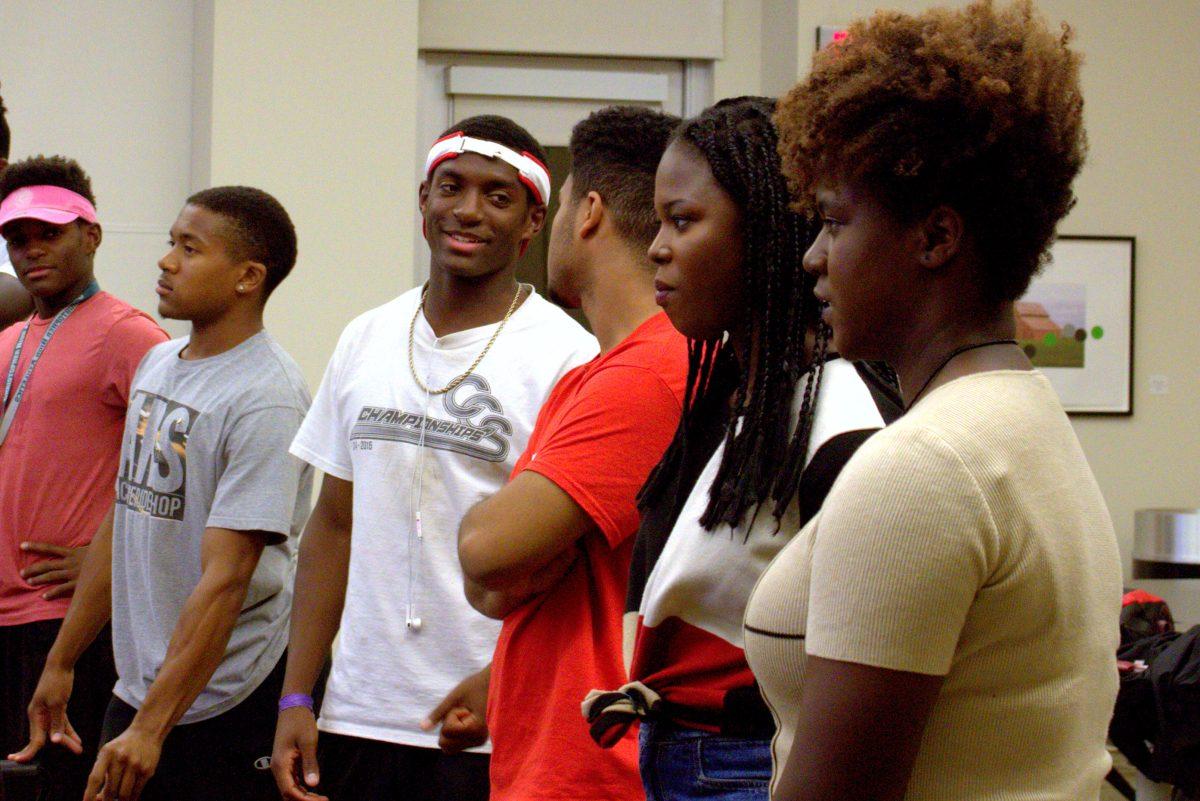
[(601, 431), (58, 464)]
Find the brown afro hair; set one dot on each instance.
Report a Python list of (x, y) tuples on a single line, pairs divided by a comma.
[(978, 108)]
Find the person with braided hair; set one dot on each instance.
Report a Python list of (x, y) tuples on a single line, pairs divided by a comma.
[(770, 416), (944, 628)]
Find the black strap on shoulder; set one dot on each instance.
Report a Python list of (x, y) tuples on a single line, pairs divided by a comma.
[(881, 381), (824, 468)]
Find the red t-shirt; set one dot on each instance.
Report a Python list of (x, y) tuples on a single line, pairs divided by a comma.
[(58, 465), (601, 431)]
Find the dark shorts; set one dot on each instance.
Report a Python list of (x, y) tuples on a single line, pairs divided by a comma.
[(226, 758), (23, 652), (357, 769)]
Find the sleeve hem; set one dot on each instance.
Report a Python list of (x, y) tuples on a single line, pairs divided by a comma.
[(877, 660), (607, 526), (321, 463), (270, 525)]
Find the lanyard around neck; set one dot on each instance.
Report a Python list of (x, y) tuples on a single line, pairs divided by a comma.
[(11, 402)]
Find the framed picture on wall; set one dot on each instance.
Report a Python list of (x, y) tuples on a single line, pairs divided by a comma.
[(1076, 323)]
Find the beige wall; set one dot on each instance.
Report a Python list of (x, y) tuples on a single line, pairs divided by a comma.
[(316, 103), (740, 71), (118, 101), (1143, 179), (627, 28)]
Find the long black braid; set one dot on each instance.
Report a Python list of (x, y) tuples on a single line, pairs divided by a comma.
[(764, 456)]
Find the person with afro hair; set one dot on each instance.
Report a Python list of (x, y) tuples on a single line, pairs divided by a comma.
[(945, 627)]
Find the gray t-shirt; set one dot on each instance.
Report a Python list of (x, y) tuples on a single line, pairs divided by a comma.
[(206, 445)]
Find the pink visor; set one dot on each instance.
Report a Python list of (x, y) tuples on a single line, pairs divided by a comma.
[(52, 204)]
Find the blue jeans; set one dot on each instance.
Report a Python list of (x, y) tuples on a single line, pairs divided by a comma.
[(679, 764)]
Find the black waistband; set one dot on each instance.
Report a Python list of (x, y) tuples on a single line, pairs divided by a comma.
[(743, 714)]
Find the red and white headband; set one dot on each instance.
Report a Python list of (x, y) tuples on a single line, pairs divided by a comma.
[(531, 172)]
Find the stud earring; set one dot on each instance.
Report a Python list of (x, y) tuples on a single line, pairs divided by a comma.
[(241, 287)]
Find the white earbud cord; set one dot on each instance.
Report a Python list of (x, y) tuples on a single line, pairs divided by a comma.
[(415, 554)]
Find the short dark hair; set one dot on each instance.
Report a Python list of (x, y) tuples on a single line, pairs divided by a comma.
[(5, 134), (978, 108), (615, 151), (46, 171), (504, 131), (262, 230)]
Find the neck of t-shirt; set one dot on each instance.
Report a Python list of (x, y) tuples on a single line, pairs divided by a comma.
[(45, 309), (633, 329), (208, 340), (453, 304)]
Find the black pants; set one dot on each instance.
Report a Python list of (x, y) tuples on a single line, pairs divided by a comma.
[(357, 769), (226, 758), (23, 652)]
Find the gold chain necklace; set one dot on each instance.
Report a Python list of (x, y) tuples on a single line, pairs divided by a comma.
[(454, 382)]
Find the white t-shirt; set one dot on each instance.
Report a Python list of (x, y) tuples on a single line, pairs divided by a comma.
[(366, 425)]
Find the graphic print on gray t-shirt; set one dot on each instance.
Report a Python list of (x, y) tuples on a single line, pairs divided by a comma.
[(205, 447), (474, 424), (154, 457)]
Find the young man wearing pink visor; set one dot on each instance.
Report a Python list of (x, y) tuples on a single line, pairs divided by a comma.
[(65, 373)]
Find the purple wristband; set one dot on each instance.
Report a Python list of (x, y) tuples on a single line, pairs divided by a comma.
[(296, 699)]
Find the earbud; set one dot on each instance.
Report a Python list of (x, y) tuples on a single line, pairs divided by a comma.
[(413, 623)]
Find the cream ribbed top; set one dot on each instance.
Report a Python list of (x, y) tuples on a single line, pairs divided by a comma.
[(968, 540)]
